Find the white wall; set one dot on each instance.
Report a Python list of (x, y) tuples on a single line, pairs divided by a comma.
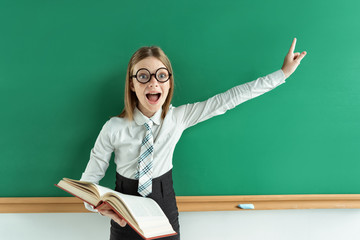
[(339, 224)]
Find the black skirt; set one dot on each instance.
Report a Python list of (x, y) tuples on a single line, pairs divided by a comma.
[(162, 192)]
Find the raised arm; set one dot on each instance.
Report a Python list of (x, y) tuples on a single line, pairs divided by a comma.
[(191, 114)]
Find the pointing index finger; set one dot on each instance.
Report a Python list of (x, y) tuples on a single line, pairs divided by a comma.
[(292, 48)]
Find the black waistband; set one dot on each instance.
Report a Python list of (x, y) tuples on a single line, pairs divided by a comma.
[(165, 176)]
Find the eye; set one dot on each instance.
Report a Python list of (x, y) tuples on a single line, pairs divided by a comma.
[(143, 76), (163, 75)]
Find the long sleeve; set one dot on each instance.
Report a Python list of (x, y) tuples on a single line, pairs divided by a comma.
[(99, 156), (99, 159), (219, 104)]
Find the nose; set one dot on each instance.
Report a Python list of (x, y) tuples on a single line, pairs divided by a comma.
[(153, 82)]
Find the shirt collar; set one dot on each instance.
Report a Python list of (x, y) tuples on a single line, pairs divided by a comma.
[(141, 119)]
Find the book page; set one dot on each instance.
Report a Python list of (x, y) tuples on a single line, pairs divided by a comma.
[(83, 185), (138, 206), (82, 193), (156, 225)]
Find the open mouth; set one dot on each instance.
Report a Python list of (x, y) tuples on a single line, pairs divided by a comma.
[(153, 97)]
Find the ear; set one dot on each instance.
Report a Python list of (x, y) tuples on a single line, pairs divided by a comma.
[(132, 85)]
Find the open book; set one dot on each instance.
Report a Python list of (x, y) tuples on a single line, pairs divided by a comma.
[(144, 215)]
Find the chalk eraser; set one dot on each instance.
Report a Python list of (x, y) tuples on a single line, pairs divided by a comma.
[(246, 206)]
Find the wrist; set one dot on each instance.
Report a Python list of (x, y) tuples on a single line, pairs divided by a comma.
[(285, 73)]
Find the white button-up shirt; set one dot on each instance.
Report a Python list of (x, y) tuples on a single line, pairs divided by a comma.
[(124, 137)]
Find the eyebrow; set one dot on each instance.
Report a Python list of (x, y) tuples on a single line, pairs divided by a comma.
[(149, 69)]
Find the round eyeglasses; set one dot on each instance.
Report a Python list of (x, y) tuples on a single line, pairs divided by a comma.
[(143, 75)]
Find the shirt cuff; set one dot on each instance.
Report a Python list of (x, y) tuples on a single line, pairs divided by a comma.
[(90, 207), (277, 77), (283, 74)]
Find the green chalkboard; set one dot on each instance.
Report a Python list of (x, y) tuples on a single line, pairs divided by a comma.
[(62, 72)]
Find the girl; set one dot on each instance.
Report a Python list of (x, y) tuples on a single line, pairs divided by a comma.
[(144, 135)]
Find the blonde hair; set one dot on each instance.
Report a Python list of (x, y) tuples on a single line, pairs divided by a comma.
[(130, 98)]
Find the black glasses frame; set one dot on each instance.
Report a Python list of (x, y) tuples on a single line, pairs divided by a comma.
[(151, 74)]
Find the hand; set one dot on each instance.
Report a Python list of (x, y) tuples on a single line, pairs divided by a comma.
[(105, 210), (292, 60)]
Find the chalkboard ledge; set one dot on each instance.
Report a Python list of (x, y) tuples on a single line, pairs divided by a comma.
[(193, 203)]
